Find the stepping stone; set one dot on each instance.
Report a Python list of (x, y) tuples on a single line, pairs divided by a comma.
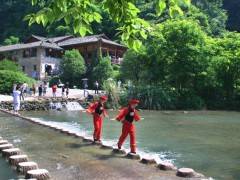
[(185, 172), (87, 140), (14, 160), (24, 167), (63, 131), (166, 166), (76, 135), (3, 142), (148, 161), (133, 156), (39, 174), (106, 146), (5, 146), (98, 143), (10, 152), (119, 151)]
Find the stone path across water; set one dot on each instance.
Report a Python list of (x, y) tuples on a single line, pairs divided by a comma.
[(67, 157)]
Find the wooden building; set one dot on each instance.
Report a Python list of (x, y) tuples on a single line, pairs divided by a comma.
[(37, 52)]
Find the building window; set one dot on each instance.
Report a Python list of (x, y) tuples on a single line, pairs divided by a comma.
[(35, 67), (30, 52), (23, 68)]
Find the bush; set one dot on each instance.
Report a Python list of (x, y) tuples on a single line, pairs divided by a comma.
[(8, 78), (162, 97), (189, 100), (53, 81), (72, 67), (113, 93), (103, 70), (9, 65)]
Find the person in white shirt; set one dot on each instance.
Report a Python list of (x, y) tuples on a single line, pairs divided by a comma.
[(16, 99)]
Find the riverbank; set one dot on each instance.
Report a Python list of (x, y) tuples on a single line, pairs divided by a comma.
[(72, 158), (39, 104)]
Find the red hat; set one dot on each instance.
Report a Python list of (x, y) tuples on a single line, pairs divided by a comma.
[(104, 98), (134, 101)]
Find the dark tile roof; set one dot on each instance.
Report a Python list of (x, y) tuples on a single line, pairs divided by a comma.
[(59, 39), (60, 42), (88, 39), (29, 45)]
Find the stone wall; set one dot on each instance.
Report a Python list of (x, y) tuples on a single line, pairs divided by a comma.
[(39, 105)]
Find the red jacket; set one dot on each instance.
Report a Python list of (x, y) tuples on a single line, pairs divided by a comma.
[(123, 112)]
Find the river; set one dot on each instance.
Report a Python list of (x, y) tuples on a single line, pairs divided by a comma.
[(207, 141)]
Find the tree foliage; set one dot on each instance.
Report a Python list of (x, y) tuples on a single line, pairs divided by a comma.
[(80, 15), (6, 64), (11, 40), (103, 70), (72, 67), (8, 78)]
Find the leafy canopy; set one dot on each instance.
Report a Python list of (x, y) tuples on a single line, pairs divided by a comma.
[(81, 14)]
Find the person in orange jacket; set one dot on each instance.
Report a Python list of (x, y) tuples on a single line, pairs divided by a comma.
[(98, 111), (127, 115)]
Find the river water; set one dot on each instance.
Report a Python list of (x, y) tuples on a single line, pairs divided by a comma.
[(207, 141)]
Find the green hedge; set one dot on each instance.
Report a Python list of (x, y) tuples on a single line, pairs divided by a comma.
[(8, 78), (160, 97)]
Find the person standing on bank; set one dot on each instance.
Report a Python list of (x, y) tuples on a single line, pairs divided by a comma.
[(40, 90), (63, 91), (98, 111), (67, 89), (96, 85), (127, 115), (16, 99)]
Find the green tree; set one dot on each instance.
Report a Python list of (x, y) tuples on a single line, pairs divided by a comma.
[(183, 48), (103, 70), (132, 67), (226, 63), (8, 78), (11, 40), (72, 67), (9, 65), (217, 16)]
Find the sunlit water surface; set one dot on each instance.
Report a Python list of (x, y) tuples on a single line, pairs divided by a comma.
[(208, 142)]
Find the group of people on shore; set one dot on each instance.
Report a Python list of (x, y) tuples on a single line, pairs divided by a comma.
[(126, 116)]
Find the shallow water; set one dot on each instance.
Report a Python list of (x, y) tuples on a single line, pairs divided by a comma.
[(208, 142), (69, 158)]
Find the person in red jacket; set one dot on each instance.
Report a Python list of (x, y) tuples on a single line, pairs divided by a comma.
[(98, 111), (127, 115)]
